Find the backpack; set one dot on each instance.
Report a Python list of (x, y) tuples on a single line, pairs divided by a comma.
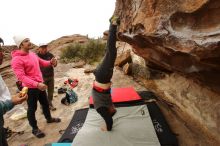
[(71, 97)]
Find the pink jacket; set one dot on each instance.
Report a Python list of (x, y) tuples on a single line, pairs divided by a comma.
[(26, 67)]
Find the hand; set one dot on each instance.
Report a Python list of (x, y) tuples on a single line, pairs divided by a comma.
[(18, 98), (42, 86), (53, 62)]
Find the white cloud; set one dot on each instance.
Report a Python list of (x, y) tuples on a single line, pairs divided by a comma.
[(45, 20)]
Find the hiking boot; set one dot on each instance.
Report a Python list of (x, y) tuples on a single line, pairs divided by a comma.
[(52, 108), (38, 133), (115, 20), (54, 120)]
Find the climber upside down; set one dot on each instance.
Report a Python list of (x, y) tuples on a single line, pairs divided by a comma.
[(103, 74)]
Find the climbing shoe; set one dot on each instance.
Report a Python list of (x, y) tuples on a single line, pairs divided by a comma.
[(114, 20)]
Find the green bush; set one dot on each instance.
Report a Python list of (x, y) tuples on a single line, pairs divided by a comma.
[(90, 52)]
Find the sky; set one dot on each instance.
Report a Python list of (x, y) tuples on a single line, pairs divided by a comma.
[(45, 20)]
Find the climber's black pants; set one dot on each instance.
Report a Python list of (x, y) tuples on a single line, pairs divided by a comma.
[(104, 71)]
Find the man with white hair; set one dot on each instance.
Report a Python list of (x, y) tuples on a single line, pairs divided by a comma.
[(26, 66)]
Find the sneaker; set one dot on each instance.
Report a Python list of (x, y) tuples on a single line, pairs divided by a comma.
[(38, 133), (54, 120)]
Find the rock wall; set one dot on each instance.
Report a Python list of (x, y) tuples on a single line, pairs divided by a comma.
[(196, 105), (181, 37), (177, 35)]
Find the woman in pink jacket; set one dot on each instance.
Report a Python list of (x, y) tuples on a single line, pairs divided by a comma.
[(26, 66)]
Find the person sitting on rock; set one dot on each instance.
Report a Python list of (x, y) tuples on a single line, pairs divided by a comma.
[(103, 75), (26, 66)]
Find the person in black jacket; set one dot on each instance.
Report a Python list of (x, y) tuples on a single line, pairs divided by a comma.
[(47, 72)]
